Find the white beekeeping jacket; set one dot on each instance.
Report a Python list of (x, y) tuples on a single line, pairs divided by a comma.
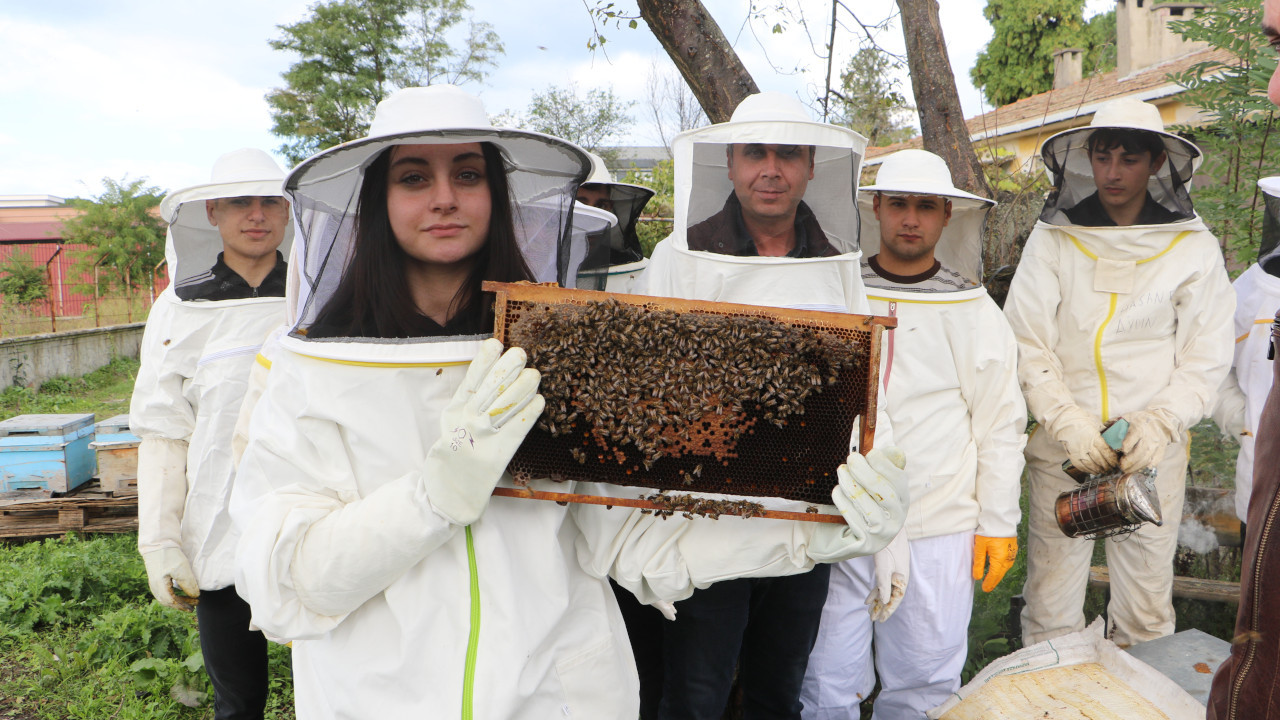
[(949, 370), (1244, 392), (196, 356), (1121, 319)]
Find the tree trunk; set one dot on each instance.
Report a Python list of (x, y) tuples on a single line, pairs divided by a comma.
[(705, 58), (941, 118)]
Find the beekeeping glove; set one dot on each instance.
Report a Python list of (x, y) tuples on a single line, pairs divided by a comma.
[(1150, 434), (481, 428), (167, 567), (996, 555), (872, 496), (668, 609), (1081, 434), (893, 570)]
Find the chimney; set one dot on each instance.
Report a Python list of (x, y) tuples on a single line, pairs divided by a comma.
[(1068, 67), (1143, 37)]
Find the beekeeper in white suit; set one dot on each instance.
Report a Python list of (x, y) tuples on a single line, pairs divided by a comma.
[(369, 537), (949, 373), (1122, 308), (620, 270), (224, 256), (1240, 399), (765, 215)]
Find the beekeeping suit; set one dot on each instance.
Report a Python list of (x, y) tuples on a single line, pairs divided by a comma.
[(1113, 322), (1240, 399), (710, 256), (620, 270), (196, 356), (951, 390), (369, 539)]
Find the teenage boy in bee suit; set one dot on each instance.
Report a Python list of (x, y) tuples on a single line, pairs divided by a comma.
[(201, 339), (1122, 309), (951, 388)]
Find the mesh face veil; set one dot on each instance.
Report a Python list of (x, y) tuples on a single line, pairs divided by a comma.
[(628, 202), (1067, 161), (542, 173), (921, 173), (593, 232), (191, 243), (702, 169)]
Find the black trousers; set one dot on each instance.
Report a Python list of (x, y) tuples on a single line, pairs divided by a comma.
[(235, 657), (763, 627)]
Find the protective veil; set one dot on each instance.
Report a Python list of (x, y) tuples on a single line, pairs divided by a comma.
[(196, 357), (625, 261), (1243, 393), (1110, 322), (949, 373), (405, 593), (831, 282)]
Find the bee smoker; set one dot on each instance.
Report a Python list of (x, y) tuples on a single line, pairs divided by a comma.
[(1110, 503), (1113, 503)]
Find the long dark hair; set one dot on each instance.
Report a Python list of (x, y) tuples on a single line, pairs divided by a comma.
[(373, 298)]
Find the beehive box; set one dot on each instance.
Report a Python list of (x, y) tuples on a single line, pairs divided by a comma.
[(117, 452), (692, 396), (46, 452)]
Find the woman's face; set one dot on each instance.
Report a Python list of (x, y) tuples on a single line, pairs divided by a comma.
[(438, 202)]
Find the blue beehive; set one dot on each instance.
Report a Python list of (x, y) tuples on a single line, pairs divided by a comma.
[(46, 452), (115, 429)]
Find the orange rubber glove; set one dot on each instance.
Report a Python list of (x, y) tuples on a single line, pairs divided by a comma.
[(998, 553)]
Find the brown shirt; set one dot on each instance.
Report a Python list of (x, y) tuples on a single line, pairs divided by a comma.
[(725, 233)]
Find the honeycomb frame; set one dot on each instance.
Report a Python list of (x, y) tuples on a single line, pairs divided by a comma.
[(735, 452)]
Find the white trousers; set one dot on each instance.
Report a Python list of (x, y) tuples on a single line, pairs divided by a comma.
[(1140, 564), (919, 651)]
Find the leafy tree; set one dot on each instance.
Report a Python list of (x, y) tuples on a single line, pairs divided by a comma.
[(1018, 62), (356, 52), (429, 58), (22, 280), (655, 222), (123, 231), (870, 100), (1242, 141), (587, 121), (1100, 43)]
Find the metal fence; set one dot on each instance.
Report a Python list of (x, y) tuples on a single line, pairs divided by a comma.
[(75, 292)]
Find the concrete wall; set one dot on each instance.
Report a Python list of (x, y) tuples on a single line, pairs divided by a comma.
[(32, 359)]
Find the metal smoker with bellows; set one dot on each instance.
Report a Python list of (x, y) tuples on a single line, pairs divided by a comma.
[(1110, 503)]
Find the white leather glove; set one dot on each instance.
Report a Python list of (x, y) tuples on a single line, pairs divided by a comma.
[(872, 496), (1081, 434), (167, 567), (1150, 434), (481, 428), (893, 570)]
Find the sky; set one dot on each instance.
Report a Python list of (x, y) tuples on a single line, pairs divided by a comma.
[(157, 90)]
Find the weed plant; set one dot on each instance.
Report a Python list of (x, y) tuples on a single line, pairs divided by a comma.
[(104, 392), (81, 637)]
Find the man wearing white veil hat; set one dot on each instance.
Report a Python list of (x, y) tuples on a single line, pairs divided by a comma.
[(371, 538), (785, 237), (951, 387), (200, 342), (1115, 319), (1243, 393)]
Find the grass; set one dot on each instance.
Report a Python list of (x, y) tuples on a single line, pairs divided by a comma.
[(80, 637), (104, 392)]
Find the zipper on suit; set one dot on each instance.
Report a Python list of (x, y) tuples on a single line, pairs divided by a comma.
[(473, 639), (888, 365), (1257, 605)]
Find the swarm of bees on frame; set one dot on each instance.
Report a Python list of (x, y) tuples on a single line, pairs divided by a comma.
[(689, 505), (669, 383)]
